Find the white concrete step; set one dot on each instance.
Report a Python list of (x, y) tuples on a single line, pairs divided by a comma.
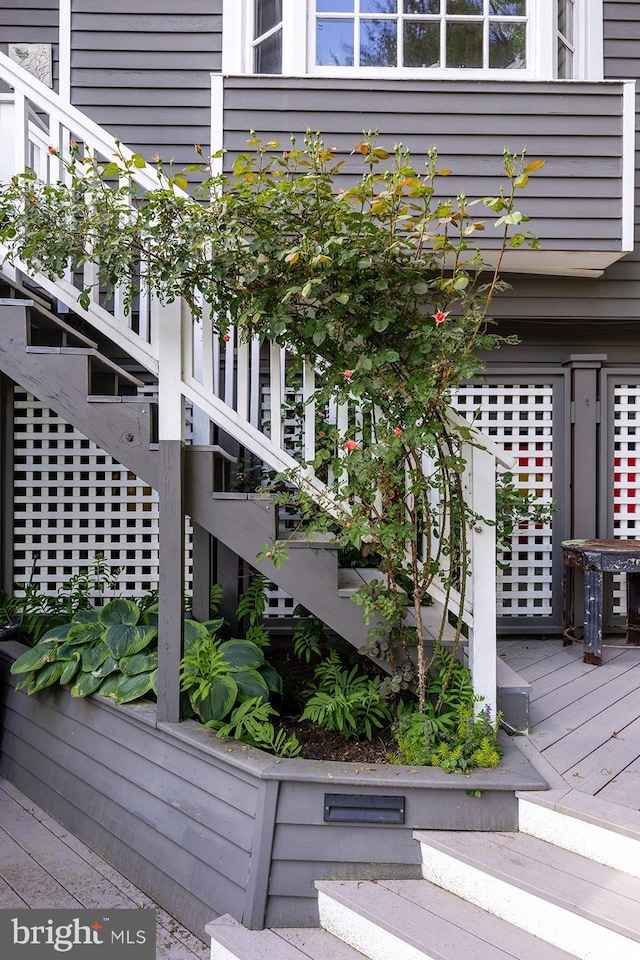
[(231, 941), (588, 909), (602, 831), (415, 920)]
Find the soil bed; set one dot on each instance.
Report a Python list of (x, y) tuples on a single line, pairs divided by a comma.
[(317, 742)]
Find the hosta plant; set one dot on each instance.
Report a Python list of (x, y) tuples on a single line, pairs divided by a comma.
[(111, 651)]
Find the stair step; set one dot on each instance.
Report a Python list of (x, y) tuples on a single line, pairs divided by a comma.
[(594, 828), (590, 910), (415, 920), (231, 941), (315, 540), (352, 579)]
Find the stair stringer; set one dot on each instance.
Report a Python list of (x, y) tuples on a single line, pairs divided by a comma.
[(246, 523), (61, 380)]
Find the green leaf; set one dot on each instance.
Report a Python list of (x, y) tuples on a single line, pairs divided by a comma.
[(106, 668), (139, 663), (272, 677), (86, 616), (251, 684), (193, 629), (94, 657), (85, 684), (240, 654), (46, 677), (118, 611), (82, 633), (43, 652), (109, 685), (60, 632), (180, 181), (133, 688), (70, 669), (125, 639), (221, 698)]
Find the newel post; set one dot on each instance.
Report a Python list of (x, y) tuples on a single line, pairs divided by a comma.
[(167, 321), (483, 647)]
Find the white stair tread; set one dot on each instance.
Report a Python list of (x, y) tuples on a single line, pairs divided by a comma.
[(231, 940), (594, 810), (433, 922), (587, 889)]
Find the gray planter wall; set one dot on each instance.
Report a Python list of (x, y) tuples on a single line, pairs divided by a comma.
[(208, 827)]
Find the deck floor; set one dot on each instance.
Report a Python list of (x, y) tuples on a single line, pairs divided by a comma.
[(585, 720), (585, 733), (43, 865)]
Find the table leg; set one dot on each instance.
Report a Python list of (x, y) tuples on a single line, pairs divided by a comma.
[(633, 608), (568, 599), (592, 645)]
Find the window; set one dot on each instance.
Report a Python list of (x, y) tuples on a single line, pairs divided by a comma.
[(566, 41), (464, 34), (267, 36), (501, 39)]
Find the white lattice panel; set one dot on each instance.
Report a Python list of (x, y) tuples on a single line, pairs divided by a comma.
[(520, 418), (72, 500), (626, 475)]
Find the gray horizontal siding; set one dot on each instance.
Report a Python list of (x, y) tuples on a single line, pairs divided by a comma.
[(575, 128), (141, 800), (306, 849), (30, 21), (141, 69)]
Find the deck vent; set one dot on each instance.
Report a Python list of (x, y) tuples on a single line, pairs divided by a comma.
[(354, 808)]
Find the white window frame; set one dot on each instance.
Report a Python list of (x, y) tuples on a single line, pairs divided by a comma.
[(298, 46)]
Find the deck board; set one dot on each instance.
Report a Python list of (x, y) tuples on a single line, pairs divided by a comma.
[(585, 720), (43, 865)]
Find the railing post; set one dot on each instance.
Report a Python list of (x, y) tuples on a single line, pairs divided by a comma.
[(171, 508), (482, 582)]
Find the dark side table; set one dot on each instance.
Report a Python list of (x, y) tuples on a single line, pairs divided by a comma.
[(595, 558)]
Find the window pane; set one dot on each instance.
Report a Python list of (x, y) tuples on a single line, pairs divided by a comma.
[(267, 56), (421, 44), (565, 19), (334, 6), (509, 8), (507, 49), (378, 6), (267, 14), (565, 62), (334, 43), (378, 43), (469, 7), (422, 6), (464, 45)]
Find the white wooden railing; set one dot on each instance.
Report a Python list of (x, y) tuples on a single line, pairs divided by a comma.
[(227, 381)]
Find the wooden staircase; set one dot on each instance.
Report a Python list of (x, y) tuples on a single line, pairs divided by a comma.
[(68, 372), (566, 885)]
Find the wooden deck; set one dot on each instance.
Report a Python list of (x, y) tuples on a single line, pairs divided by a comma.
[(43, 865), (585, 719)]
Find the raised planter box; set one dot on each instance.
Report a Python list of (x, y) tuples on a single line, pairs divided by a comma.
[(207, 827)]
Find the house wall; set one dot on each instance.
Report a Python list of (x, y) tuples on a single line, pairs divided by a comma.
[(141, 69), (576, 128)]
